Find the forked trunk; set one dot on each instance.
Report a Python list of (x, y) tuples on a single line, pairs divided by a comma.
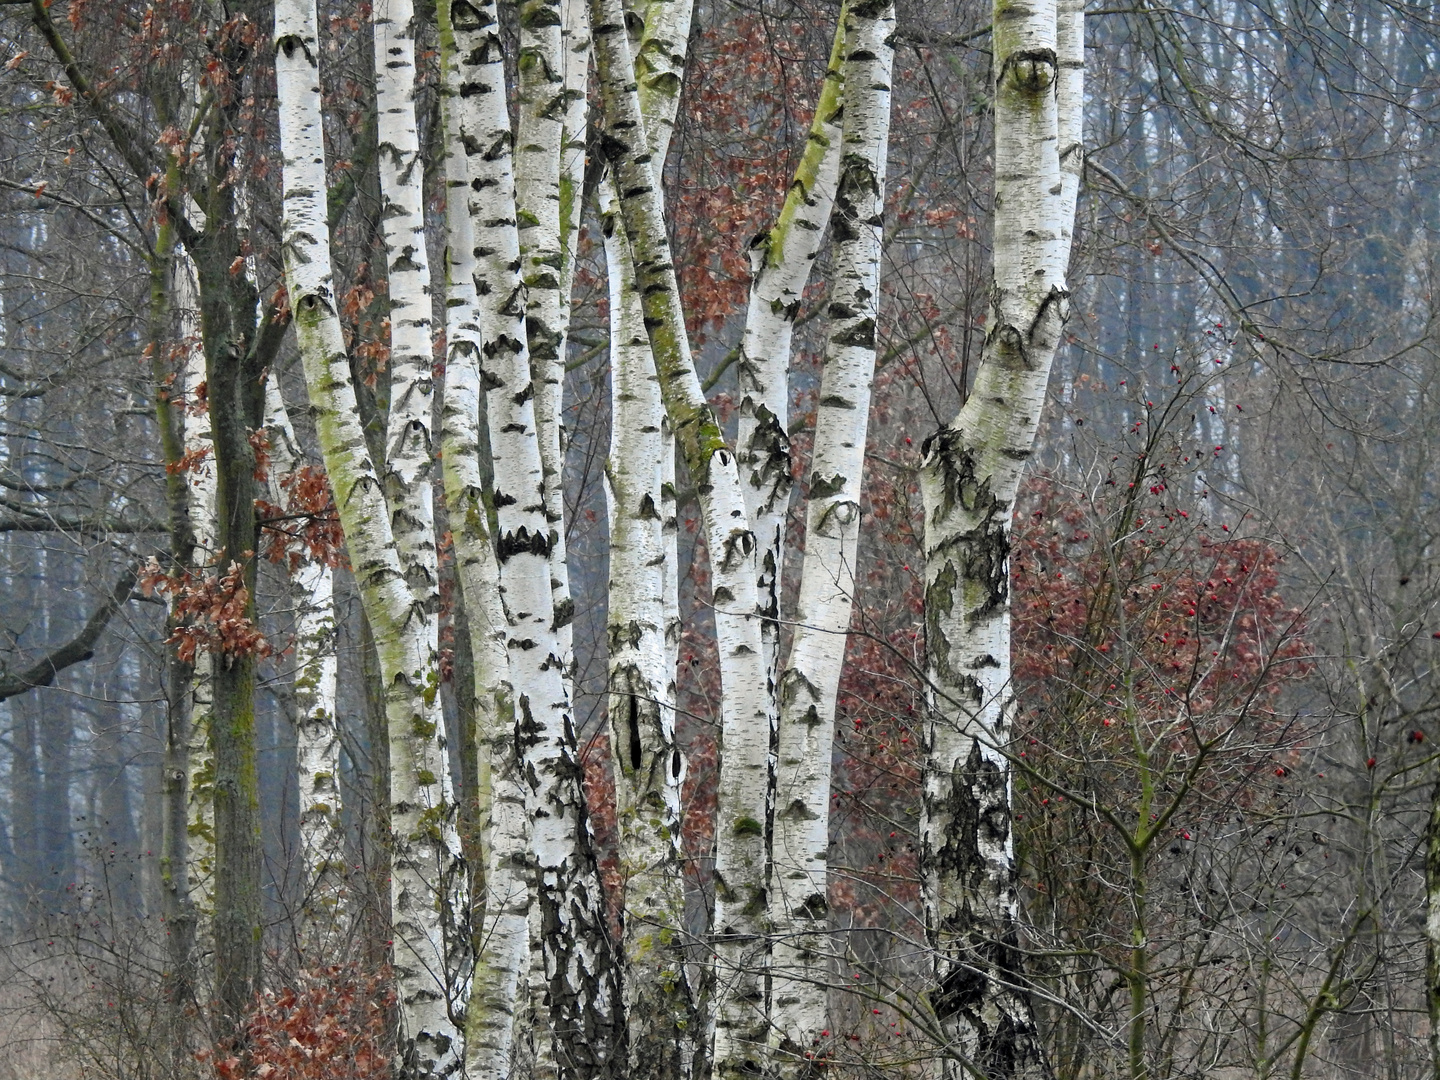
[(969, 477), (802, 962)]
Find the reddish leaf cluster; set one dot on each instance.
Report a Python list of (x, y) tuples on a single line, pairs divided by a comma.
[(213, 611), (1182, 621), (307, 528), (333, 1025), (191, 461)]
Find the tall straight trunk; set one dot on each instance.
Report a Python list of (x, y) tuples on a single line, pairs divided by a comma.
[(740, 868), (409, 441), (662, 1022), (649, 767), (473, 72), (782, 259), (810, 684), (579, 994), (660, 76), (200, 505), (419, 755), (427, 876), (539, 137), (176, 907), (317, 732), (575, 41), (233, 370), (542, 104), (969, 478)]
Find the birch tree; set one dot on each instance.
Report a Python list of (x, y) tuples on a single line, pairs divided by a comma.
[(317, 734), (396, 590), (810, 683), (579, 990), (969, 477), (200, 510), (739, 926)]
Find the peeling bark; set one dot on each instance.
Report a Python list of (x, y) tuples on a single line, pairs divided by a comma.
[(970, 475), (580, 992)]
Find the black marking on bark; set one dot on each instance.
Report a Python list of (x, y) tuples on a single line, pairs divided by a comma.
[(522, 542), (466, 18), (861, 335), (564, 611), (822, 487), (798, 811)]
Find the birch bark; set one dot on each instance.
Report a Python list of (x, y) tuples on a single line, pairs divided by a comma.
[(740, 900), (649, 768), (426, 875), (781, 259), (503, 908), (409, 435), (581, 985), (201, 507), (540, 134), (317, 736), (969, 479), (575, 40), (801, 960), (176, 906)]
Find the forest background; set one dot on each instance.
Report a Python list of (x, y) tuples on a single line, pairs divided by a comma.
[(1223, 576)]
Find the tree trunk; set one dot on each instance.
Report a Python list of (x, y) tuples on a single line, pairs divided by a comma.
[(649, 768), (317, 733), (782, 259), (199, 477), (427, 874), (233, 372), (176, 906), (802, 960), (472, 69), (740, 925), (579, 994), (539, 137), (969, 478)]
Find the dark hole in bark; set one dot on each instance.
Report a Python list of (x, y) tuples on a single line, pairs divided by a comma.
[(634, 720)]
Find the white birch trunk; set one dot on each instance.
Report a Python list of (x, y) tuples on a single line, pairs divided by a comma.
[(575, 40), (801, 965), (660, 1010), (409, 433), (740, 900), (539, 136), (781, 259), (969, 477), (195, 431), (580, 988), (317, 735), (660, 74), (504, 835), (427, 876), (649, 768)]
